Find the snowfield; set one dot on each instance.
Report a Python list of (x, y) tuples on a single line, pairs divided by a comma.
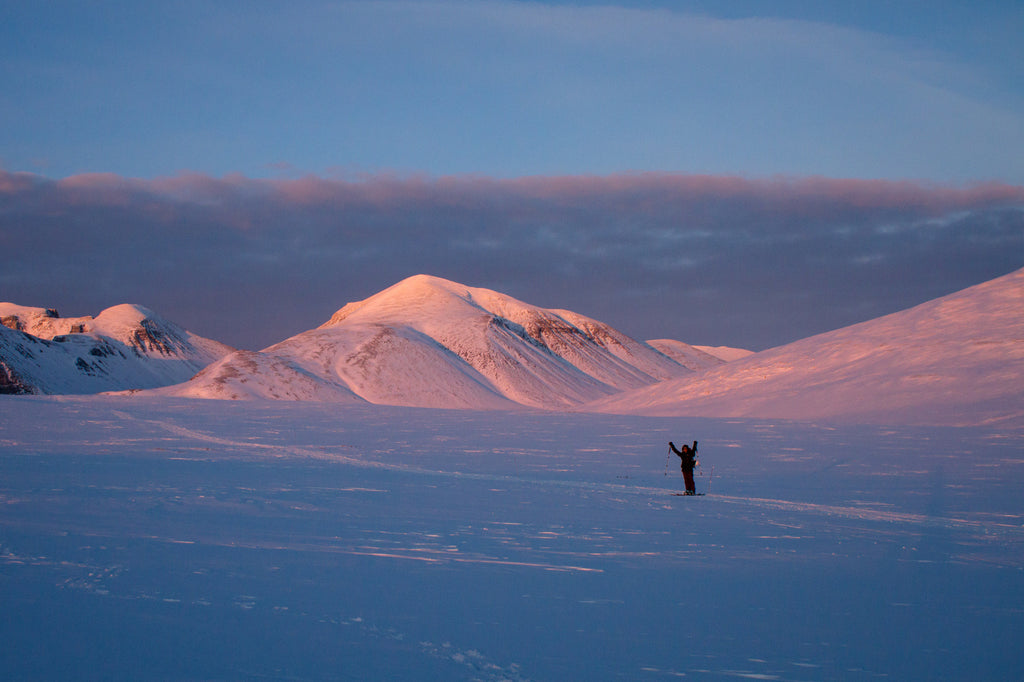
[(175, 539), (322, 519), (957, 360)]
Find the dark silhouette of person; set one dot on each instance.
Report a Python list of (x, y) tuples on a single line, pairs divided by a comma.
[(688, 460)]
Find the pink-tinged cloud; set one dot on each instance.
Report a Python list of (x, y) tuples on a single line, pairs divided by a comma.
[(717, 260), (468, 191)]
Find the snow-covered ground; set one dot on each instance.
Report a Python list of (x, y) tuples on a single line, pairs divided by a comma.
[(158, 538)]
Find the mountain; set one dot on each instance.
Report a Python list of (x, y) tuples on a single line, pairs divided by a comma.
[(124, 347), (698, 358), (430, 342), (726, 353), (957, 360)]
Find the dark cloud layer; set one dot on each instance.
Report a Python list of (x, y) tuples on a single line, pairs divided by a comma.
[(708, 260)]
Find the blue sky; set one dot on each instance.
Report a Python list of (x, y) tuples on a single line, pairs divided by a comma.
[(922, 90), (737, 173)]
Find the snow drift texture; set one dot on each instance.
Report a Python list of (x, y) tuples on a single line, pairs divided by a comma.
[(956, 360), (168, 539), (124, 347)]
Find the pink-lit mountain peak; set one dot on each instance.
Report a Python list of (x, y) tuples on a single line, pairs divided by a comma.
[(424, 299)]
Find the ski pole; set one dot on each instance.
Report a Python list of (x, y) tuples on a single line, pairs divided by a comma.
[(668, 456)]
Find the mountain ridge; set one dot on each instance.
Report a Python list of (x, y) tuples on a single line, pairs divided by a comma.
[(430, 342)]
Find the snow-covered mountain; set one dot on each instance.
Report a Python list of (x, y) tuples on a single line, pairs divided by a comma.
[(956, 360), (430, 342), (726, 353), (124, 347), (698, 358)]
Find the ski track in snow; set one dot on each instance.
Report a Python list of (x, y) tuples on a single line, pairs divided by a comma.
[(516, 546), (1006, 530)]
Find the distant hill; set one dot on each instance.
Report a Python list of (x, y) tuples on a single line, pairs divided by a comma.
[(726, 353), (698, 358), (430, 342), (956, 360), (124, 347)]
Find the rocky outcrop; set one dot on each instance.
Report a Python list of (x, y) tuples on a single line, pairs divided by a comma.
[(11, 383), (124, 347)]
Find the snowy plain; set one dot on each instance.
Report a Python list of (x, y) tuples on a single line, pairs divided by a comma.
[(175, 539)]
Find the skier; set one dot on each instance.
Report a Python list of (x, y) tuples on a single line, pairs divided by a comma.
[(688, 460)]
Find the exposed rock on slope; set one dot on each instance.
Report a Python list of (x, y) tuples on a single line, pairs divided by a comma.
[(124, 347)]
